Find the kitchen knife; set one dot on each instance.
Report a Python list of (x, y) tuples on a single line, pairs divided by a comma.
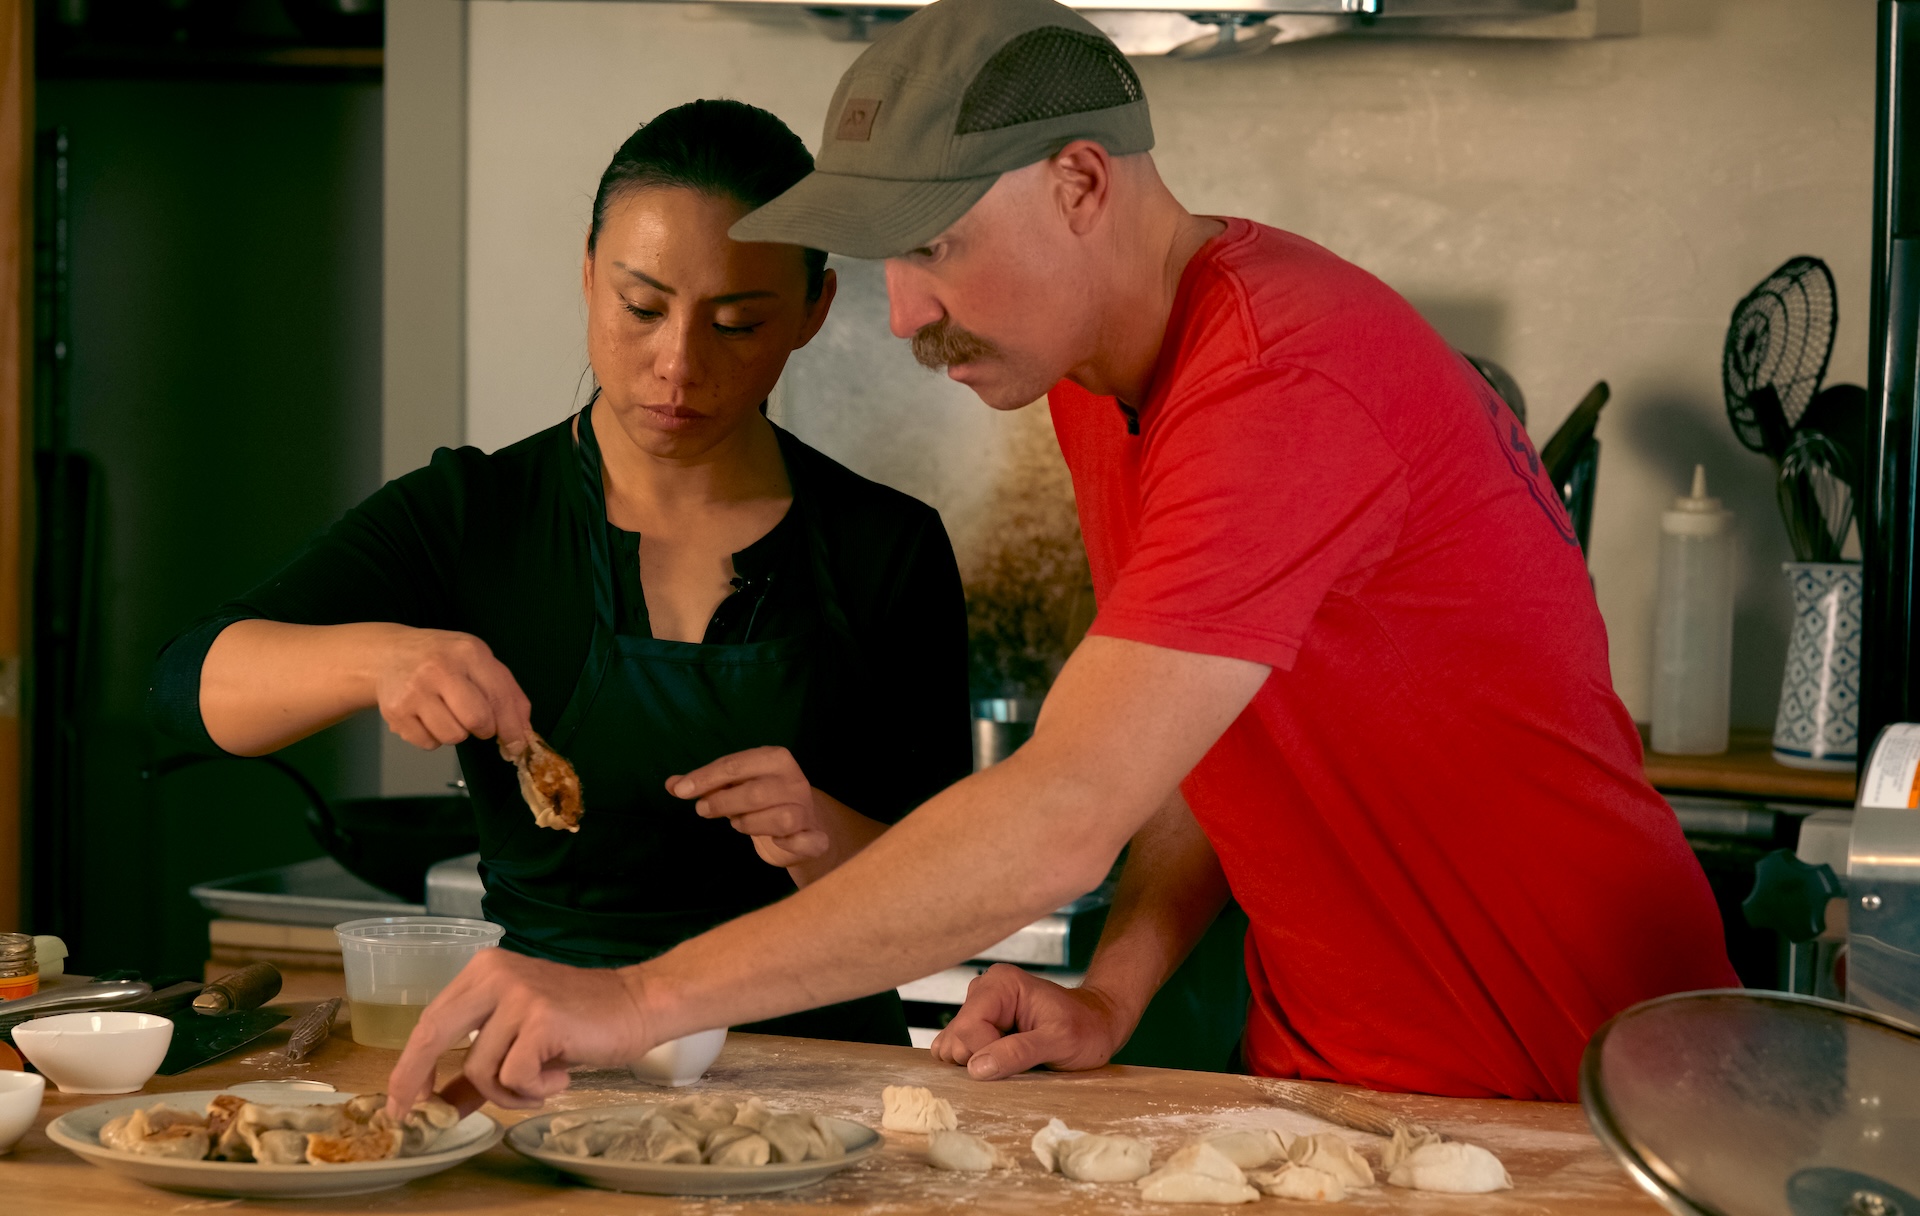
[(203, 1037), (248, 988), (72, 998)]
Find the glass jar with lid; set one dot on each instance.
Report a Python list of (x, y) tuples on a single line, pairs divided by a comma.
[(19, 967)]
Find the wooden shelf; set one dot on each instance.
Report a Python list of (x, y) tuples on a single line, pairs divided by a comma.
[(1746, 770)]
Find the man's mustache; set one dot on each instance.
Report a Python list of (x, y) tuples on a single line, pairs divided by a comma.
[(943, 344)]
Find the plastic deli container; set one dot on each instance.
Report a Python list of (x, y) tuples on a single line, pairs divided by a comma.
[(395, 965)]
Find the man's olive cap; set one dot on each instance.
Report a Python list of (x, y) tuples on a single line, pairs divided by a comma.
[(938, 108)]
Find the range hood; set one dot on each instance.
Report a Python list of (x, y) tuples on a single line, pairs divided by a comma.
[(1208, 29)]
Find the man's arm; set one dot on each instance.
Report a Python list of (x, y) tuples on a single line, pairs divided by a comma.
[(1123, 725), (1170, 891)]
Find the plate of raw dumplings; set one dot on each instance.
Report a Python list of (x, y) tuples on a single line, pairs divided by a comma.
[(702, 1144)]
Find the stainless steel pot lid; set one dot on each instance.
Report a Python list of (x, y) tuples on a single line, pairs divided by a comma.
[(1735, 1103)]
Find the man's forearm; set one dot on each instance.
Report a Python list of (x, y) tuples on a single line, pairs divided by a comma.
[(951, 879), (1170, 891), (978, 861), (848, 832)]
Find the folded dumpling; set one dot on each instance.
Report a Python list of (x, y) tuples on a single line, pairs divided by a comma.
[(280, 1146), (159, 1131)]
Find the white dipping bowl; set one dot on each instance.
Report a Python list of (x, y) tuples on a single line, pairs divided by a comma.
[(19, 1102), (95, 1053), (679, 1061)]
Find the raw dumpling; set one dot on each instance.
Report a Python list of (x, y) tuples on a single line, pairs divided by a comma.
[(1047, 1142), (1250, 1150), (1332, 1155), (752, 1113), (827, 1143), (1300, 1182), (910, 1108), (1204, 1157), (703, 1112), (159, 1131), (965, 1153), (790, 1136), (1174, 1186), (627, 1145), (1406, 1138), (1105, 1158), (668, 1142), (587, 1137), (1451, 1167), (1198, 1173), (561, 1124), (280, 1146), (738, 1145)]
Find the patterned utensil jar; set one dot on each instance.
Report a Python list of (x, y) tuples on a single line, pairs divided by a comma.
[(1819, 722)]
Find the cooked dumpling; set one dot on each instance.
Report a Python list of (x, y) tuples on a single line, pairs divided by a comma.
[(159, 1131), (548, 784), (332, 1119), (359, 1144), (429, 1119), (280, 1146)]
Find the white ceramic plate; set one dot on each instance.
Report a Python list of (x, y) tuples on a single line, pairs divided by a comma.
[(79, 1131), (861, 1142)]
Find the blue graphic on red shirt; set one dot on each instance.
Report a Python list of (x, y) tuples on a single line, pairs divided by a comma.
[(1521, 458)]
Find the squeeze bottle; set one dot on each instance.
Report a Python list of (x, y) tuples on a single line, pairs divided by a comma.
[(1693, 625)]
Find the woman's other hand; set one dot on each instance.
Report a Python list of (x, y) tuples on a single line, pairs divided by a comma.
[(763, 793), (435, 686)]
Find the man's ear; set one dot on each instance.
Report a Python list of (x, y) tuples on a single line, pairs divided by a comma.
[(1082, 181)]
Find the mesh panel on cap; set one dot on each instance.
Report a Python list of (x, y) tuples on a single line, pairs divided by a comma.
[(1047, 73)]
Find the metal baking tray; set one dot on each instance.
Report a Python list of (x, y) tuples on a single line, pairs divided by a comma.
[(317, 892)]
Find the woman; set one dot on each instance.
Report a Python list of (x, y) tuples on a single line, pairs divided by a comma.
[(668, 588)]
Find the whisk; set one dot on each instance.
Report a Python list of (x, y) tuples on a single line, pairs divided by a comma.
[(1816, 496)]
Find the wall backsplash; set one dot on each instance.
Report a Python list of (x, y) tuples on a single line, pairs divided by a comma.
[(1576, 211)]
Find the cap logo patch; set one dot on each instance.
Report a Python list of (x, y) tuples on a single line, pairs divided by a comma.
[(856, 121)]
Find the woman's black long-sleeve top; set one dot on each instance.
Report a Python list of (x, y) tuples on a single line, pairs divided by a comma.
[(497, 545)]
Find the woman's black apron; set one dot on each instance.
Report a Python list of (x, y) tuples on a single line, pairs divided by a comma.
[(644, 872)]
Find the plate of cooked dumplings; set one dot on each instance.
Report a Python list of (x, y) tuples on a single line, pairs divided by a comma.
[(216, 1142), (702, 1144)]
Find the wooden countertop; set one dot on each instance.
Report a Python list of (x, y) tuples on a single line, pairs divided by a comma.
[(1557, 1165), (1746, 770)]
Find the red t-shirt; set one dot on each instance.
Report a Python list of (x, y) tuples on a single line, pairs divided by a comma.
[(1433, 812)]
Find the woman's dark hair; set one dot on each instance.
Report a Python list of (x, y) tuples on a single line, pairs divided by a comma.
[(728, 149)]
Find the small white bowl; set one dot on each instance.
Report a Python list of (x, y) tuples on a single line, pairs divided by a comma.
[(96, 1053), (679, 1061), (20, 1094)]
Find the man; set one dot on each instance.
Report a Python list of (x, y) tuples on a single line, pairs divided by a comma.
[(1347, 662)]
